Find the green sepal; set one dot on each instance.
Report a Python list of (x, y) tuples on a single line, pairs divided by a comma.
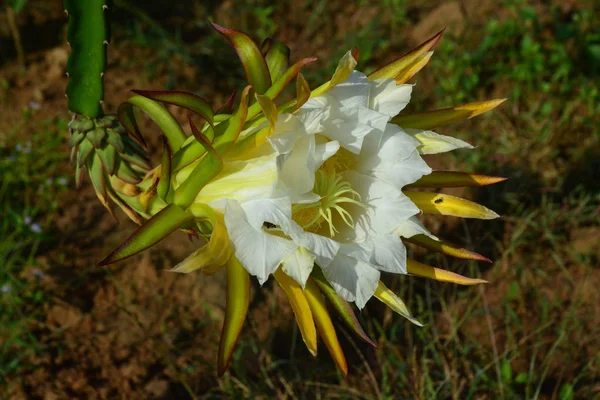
[(126, 117), (126, 174), (108, 121), (394, 302), (164, 184), (238, 300), (81, 125), (84, 150), (74, 153), (186, 100), (302, 91), (234, 125), (78, 176), (227, 133), (108, 156), (161, 225), (391, 70), (277, 56), (208, 167), (96, 136), (280, 84), (87, 33), (194, 150), (226, 108), (159, 114), (96, 173), (116, 140), (257, 72), (343, 308), (76, 137), (136, 160)]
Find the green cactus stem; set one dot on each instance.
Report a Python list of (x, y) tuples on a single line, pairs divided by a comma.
[(88, 34)]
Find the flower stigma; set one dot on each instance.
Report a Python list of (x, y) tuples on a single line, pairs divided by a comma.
[(336, 194)]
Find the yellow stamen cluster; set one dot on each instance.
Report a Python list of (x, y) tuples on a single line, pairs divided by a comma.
[(335, 194)]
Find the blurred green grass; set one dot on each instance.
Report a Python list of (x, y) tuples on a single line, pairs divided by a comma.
[(531, 333)]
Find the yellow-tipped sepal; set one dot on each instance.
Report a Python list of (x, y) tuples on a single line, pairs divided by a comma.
[(401, 68), (416, 268), (445, 204), (301, 308), (343, 308), (444, 179), (324, 325), (238, 299), (445, 248), (211, 256), (446, 116), (390, 299)]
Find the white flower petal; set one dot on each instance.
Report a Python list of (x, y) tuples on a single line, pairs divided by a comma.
[(352, 279), (389, 98), (353, 92), (297, 170), (349, 126), (389, 254), (405, 172), (259, 252), (386, 207), (394, 145), (240, 180), (413, 226), (396, 161), (434, 143), (275, 211), (323, 152), (299, 265), (312, 117), (323, 248)]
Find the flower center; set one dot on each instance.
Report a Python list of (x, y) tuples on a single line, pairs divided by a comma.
[(341, 161), (336, 194)]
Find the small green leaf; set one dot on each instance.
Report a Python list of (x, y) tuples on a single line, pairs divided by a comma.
[(566, 392), (522, 378), (506, 371)]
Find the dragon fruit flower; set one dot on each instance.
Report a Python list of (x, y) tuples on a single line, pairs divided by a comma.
[(321, 192)]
